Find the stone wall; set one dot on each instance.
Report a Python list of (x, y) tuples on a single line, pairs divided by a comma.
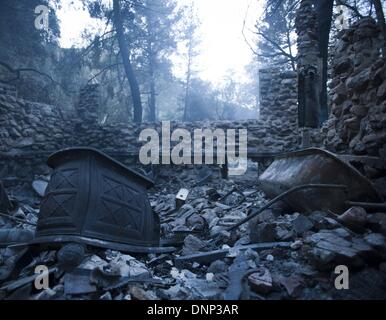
[(7, 89), (278, 104), (30, 131), (358, 89)]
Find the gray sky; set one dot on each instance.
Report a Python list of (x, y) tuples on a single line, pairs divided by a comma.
[(222, 45)]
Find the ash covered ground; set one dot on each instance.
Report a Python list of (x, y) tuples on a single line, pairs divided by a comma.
[(280, 254)]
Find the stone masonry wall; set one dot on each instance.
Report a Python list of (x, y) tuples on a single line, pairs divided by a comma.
[(278, 104), (358, 88), (30, 131)]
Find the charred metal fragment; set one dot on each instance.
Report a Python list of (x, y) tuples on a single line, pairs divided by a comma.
[(316, 166)]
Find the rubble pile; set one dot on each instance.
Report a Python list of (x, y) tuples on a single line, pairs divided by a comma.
[(280, 254)]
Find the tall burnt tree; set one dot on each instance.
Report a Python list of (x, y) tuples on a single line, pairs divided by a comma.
[(140, 38), (191, 47), (324, 16), (159, 40), (124, 50)]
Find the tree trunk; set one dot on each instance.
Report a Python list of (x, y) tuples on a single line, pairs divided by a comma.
[(381, 22), (152, 102), (188, 78), (187, 94), (123, 46), (324, 14), (152, 62)]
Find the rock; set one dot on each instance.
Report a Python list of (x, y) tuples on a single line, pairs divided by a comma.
[(266, 216), (25, 142), (77, 283), (14, 236), (261, 281), (355, 217), (328, 248), (71, 255), (283, 233), (352, 123), (177, 292), (196, 222), (127, 266), (203, 289), (263, 232), (93, 262), (296, 245), (342, 66), (302, 224), (360, 81), (106, 296), (376, 240), (322, 221), (377, 222), (140, 294), (340, 94), (367, 284), (377, 138), (360, 110), (327, 223), (209, 276), (294, 284), (40, 187), (381, 93), (317, 216), (193, 245), (270, 258), (343, 233), (218, 266)]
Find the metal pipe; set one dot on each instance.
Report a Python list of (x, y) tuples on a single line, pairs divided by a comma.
[(366, 205), (17, 219), (283, 195)]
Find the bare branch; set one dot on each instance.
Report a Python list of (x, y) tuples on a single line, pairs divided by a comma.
[(274, 44), (243, 32), (103, 70)]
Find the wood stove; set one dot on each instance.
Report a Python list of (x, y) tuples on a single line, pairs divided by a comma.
[(94, 199)]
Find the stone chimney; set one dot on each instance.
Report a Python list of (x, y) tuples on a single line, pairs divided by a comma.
[(89, 101)]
